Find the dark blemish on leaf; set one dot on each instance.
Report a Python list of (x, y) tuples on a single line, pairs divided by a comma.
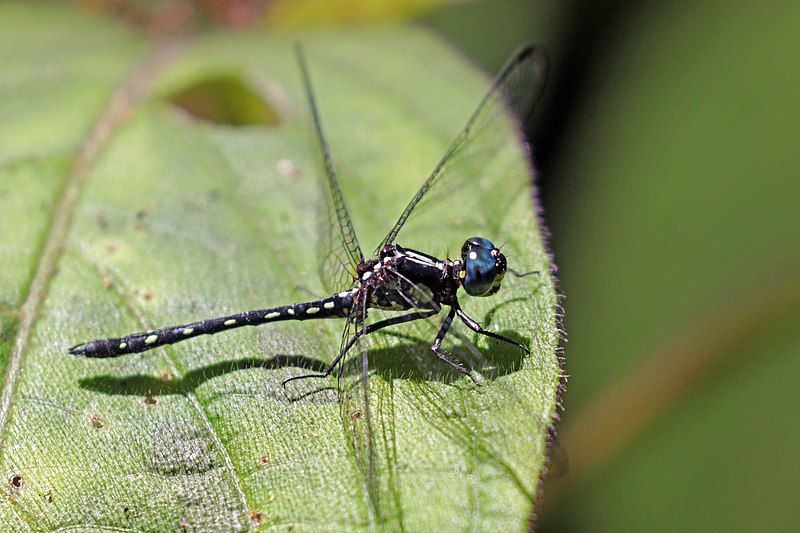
[(97, 422), (101, 221), (263, 461), (111, 248), (150, 400), (141, 214), (355, 415), (48, 496), (225, 98), (256, 516), (108, 283), (147, 296), (166, 376), (182, 526), (16, 483), (125, 510)]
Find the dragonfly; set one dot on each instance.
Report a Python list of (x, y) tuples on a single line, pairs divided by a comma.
[(396, 279)]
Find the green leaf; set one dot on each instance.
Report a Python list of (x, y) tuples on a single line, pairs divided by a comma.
[(127, 213)]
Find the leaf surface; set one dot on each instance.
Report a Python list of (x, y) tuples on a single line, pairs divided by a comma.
[(147, 216)]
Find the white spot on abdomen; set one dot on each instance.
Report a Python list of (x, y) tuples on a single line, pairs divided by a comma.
[(151, 339), (290, 311), (188, 331), (230, 322), (312, 310), (329, 305), (273, 314)]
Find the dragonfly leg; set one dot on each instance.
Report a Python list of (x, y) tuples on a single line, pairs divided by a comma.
[(436, 346), (474, 326), (366, 331)]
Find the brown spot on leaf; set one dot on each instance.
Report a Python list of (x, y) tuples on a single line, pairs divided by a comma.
[(263, 461), (150, 400), (256, 516), (98, 422)]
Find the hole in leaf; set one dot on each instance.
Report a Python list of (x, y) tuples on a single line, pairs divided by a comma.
[(16, 482), (225, 99)]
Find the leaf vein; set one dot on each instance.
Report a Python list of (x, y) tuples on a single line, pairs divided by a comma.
[(115, 113)]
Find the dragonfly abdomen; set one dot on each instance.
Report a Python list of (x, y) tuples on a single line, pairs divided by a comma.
[(338, 305)]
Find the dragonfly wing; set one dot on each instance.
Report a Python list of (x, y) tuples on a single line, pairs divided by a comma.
[(339, 251), (359, 419), (482, 167), (397, 398)]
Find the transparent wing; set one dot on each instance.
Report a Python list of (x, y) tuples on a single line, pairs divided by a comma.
[(358, 418), (394, 389), (339, 251), (481, 170), (444, 403)]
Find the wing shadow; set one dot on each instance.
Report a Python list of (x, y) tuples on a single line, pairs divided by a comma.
[(414, 360)]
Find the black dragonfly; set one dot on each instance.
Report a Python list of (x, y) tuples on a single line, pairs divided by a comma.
[(397, 278)]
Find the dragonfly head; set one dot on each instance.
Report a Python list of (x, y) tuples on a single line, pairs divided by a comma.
[(484, 267)]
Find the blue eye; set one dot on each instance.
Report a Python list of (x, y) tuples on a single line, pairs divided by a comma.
[(484, 267)]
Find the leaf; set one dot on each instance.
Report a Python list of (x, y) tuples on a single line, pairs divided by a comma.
[(149, 216)]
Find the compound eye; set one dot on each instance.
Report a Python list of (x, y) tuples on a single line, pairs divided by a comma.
[(480, 269)]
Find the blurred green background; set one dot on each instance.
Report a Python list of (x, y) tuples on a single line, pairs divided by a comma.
[(667, 143)]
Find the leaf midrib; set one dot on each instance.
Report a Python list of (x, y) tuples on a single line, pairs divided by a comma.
[(116, 112)]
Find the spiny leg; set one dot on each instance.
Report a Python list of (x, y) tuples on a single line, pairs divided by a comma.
[(436, 346), (474, 326), (366, 331)]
